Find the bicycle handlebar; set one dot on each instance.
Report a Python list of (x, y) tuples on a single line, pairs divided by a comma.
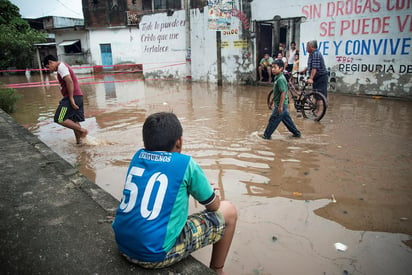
[(289, 74)]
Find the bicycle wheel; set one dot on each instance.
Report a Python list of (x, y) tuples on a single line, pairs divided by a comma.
[(269, 100), (314, 106)]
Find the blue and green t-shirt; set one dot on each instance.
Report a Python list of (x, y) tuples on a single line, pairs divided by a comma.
[(154, 207)]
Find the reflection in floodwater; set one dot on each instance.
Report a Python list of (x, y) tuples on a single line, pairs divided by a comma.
[(360, 154)]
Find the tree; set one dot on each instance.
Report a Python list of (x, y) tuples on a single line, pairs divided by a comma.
[(16, 38)]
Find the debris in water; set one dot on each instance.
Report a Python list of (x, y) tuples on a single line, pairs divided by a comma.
[(340, 247)]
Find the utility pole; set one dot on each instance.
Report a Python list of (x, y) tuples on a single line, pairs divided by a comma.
[(219, 57), (188, 41), (39, 63)]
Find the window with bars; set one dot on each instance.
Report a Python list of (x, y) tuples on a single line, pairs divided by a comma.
[(147, 5), (162, 4)]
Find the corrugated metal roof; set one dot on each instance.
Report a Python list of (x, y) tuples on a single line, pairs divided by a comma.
[(45, 44), (68, 42)]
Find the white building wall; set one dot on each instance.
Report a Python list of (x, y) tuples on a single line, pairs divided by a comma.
[(125, 45), (63, 22), (374, 58), (203, 48), (235, 52)]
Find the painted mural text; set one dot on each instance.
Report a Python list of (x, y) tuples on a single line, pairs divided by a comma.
[(375, 25), (387, 46), (155, 34), (375, 68), (353, 7), (231, 32)]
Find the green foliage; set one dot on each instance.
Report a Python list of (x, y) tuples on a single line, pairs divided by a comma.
[(16, 38), (8, 99), (8, 11)]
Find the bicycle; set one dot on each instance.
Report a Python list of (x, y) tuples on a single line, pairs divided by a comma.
[(311, 104)]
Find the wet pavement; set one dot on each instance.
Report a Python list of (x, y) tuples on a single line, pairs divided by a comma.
[(347, 180)]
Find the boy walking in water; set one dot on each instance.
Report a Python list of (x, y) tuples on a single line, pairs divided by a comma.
[(152, 227), (281, 99), (70, 111)]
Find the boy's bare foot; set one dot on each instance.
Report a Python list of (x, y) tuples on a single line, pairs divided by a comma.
[(218, 270)]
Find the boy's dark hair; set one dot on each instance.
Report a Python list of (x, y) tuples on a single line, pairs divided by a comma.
[(161, 131), (278, 62), (47, 59)]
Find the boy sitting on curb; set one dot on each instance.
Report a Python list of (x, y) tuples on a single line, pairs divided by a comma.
[(152, 227)]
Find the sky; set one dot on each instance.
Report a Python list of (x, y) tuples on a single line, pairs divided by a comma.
[(40, 8)]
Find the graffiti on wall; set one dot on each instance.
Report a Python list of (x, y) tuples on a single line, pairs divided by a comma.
[(242, 17), (353, 29), (220, 14)]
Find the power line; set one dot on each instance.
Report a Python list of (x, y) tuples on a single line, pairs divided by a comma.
[(69, 8)]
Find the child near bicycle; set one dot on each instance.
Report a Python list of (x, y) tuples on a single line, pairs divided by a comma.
[(280, 101), (152, 226)]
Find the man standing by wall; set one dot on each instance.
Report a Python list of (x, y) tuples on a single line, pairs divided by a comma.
[(318, 74), (291, 56)]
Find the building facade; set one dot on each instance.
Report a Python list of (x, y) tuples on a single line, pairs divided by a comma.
[(366, 43)]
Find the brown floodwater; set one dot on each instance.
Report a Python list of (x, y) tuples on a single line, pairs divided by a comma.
[(347, 180)]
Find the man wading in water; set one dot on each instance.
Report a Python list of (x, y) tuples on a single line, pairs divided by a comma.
[(70, 111)]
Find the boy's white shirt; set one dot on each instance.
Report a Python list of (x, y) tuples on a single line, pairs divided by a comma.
[(62, 70)]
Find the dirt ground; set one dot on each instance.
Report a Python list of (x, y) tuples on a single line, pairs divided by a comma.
[(348, 179)]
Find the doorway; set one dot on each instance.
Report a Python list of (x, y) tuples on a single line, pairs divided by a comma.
[(271, 33), (106, 53)]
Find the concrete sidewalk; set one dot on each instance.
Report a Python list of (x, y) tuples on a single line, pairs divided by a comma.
[(53, 219)]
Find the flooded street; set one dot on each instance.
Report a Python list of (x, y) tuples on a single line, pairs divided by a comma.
[(347, 180)]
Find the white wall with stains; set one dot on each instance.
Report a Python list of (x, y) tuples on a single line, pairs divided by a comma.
[(366, 43), (160, 45), (125, 44)]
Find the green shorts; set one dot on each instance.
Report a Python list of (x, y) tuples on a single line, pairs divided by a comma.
[(201, 229)]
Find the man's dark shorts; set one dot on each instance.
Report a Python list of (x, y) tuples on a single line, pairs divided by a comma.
[(65, 110), (320, 84)]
